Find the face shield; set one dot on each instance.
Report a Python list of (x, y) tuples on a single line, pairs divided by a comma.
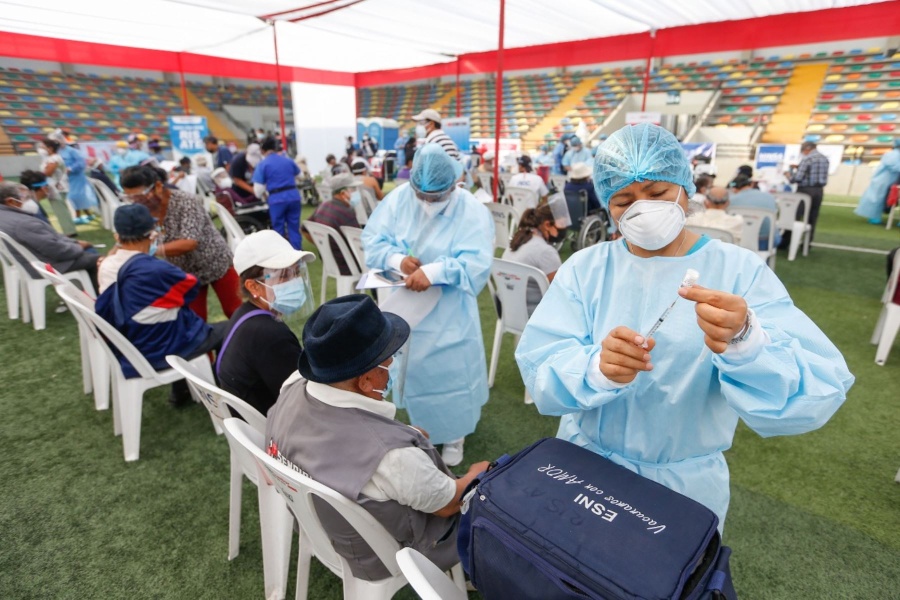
[(560, 210), (289, 294)]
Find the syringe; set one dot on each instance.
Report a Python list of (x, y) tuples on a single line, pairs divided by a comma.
[(690, 278)]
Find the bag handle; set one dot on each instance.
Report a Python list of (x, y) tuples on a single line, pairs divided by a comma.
[(237, 325)]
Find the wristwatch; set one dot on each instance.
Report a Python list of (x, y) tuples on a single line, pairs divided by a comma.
[(744, 333)]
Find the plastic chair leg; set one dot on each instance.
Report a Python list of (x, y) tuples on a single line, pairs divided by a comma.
[(11, 285), (116, 394), (131, 402), (87, 377), (276, 526), (797, 235), (495, 352), (37, 298), (24, 302), (324, 285), (304, 559), (100, 374), (888, 333), (879, 326), (234, 508)]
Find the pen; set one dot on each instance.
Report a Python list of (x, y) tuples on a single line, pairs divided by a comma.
[(409, 251)]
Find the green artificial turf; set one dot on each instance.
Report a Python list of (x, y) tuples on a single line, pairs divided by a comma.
[(812, 516)]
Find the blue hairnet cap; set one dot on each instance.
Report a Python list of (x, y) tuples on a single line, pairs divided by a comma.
[(644, 152), (433, 169), (575, 141)]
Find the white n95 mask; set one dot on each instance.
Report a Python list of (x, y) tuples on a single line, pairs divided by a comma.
[(652, 224)]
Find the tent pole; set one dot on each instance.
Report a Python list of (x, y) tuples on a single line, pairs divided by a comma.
[(647, 69), (498, 101), (184, 97), (458, 107), (284, 144)]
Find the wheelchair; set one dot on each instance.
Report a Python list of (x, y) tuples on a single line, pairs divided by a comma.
[(589, 227)]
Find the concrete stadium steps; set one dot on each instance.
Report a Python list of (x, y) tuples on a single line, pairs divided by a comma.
[(217, 126), (535, 137), (441, 105), (792, 114), (6, 146)]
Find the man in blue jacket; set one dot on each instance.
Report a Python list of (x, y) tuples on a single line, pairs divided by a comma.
[(147, 299)]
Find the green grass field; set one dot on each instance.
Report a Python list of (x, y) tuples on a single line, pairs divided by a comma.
[(814, 516)]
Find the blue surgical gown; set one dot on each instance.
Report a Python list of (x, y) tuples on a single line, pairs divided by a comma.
[(446, 373), (872, 202), (81, 193), (673, 423)]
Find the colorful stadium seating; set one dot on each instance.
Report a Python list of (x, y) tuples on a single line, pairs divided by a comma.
[(859, 105)]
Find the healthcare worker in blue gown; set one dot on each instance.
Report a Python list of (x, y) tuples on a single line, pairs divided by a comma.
[(734, 346), (872, 202), (441, 237)]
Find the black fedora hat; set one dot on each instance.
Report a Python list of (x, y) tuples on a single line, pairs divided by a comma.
[(349, 336)]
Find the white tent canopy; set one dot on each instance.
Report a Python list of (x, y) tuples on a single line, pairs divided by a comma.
[(365, 35)]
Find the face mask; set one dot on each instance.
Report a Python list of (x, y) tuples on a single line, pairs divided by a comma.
[(387, 387), (420, 131), (355, 199), (253, 159), (154, 246), (433, 208), (121, 151), (652, 224), (223, 182), (555, 239), (30, 207), (290, 296), (43, 152)]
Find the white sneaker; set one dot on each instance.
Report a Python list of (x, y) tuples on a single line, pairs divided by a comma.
[(452, 454)]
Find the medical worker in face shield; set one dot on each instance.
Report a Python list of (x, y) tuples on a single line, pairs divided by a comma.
[(441, 237), (734, 345)]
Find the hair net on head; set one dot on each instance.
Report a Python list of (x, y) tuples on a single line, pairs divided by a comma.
[(433, 169), (642, 152)]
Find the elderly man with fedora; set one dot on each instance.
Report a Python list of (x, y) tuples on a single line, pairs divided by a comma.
[(333, 424)]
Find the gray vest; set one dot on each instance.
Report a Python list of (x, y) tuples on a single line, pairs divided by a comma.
[(342, 448)]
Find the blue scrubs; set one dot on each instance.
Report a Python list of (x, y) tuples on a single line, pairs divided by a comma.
[(872, 202), (446, 375), (673, 423), (278, 173)]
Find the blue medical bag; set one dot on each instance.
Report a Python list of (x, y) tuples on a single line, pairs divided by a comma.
[(556, 521)]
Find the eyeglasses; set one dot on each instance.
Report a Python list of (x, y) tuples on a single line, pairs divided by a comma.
[(140, 196)]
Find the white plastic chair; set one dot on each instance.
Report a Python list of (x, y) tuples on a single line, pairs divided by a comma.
[(511, 287), (109, 202), (888, 324), (94, 363), (33, 286), (787, 221), (321, 234), (299, 491), (128, 394), (233, 232), (506, 221), (485, 179), (218, 402), (522, 198), (276, 522), (353, 235), (753, 222), (713, 232), (12, 283), (426, 578)]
